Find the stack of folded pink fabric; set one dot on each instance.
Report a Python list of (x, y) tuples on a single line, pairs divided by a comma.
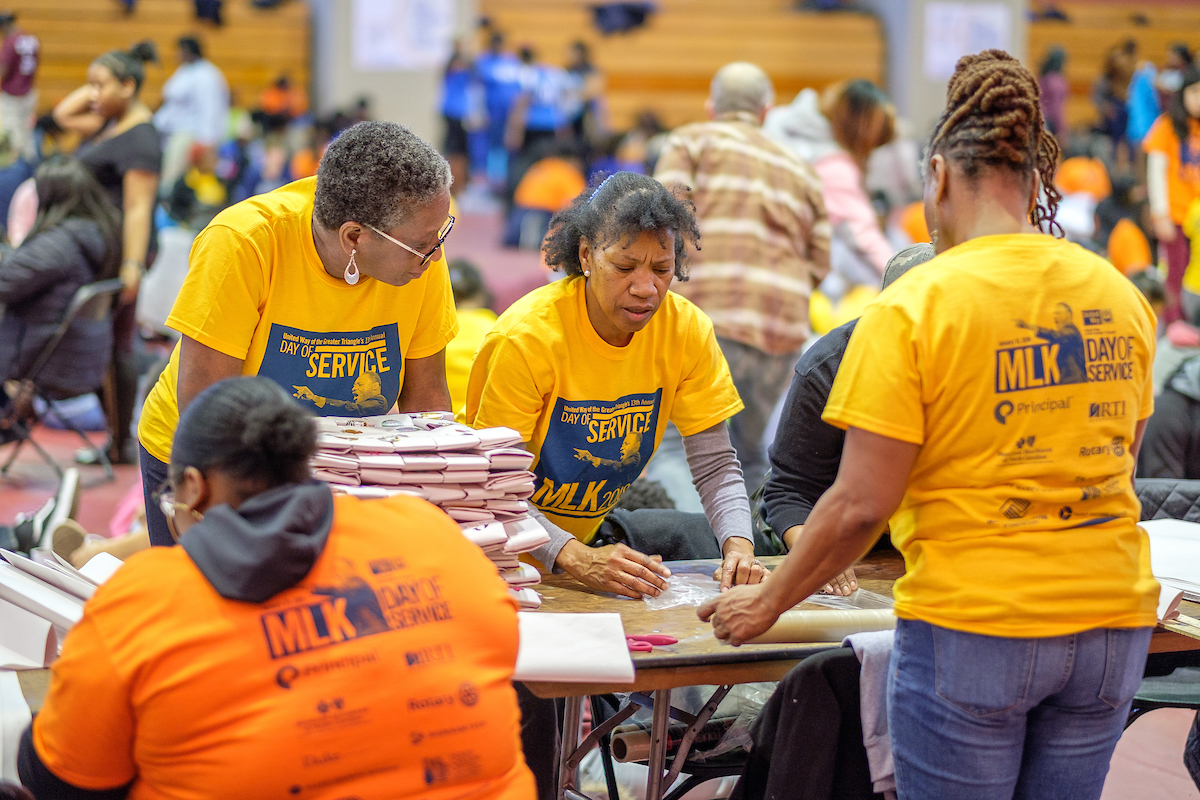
[(480, 478)]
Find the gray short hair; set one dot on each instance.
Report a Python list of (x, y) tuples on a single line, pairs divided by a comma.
[(377, 173), (741, 86)]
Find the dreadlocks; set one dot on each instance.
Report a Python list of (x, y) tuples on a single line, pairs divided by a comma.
[(993, 118)]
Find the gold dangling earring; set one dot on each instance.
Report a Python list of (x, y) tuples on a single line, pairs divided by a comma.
[(352, 274)]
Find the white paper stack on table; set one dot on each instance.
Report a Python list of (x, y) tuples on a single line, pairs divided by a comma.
[(40, 602), (1175, 560), (480, 478)]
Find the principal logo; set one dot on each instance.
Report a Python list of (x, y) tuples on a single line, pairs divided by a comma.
[(1007, 408), (1014, 507)]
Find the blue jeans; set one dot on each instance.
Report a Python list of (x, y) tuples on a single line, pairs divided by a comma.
[(985, 717)]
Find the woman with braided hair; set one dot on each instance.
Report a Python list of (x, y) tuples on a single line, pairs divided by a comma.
[(1025, 613)]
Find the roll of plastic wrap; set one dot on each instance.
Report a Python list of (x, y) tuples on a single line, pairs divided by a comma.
[(631, 742), (825, 626)]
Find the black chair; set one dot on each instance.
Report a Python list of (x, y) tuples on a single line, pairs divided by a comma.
[(92, 300), (1180, 689)]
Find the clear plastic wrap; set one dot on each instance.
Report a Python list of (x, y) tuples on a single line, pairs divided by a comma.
[(859, 598)]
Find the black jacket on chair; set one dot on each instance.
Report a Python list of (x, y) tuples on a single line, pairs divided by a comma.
[(37, 281)]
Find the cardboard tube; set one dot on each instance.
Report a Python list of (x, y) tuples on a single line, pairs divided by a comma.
[(825, 626), (632, 742)]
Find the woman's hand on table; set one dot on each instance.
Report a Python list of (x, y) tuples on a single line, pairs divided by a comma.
[(739, 565), (843, 585), (739, 614), (846, 583), (616, 568)]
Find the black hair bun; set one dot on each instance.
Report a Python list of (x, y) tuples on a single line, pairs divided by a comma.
[(145, 51), (277, 434)]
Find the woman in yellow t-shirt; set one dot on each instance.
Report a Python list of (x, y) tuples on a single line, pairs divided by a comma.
[(994, 402), (328, 286), (295, 644), (590, 369)]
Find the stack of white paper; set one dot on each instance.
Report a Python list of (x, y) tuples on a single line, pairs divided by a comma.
[(14, 719), (1175, 554), (573, 648), (39, 602), (480, 478)]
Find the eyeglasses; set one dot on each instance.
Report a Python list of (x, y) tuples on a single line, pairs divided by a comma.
[(442, 234), (164, 495)]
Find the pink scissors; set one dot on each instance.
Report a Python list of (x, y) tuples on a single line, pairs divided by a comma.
[(644, 643)]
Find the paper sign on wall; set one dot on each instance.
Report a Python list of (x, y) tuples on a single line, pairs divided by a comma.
[(393, 35), (953, 30)]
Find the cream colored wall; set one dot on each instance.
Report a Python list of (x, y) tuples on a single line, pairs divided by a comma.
[(918, 98), (410, 98)]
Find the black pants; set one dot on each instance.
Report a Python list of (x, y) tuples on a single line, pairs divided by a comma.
[(154, 474), (808, 741)]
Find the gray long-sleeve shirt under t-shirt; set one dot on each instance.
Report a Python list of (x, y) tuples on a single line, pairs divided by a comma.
[(718, 480)]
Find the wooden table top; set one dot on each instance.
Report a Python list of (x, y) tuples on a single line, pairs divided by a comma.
[(698, 658)]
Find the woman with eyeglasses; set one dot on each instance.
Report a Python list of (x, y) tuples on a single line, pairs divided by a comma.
[(293, 645), (334, 287)]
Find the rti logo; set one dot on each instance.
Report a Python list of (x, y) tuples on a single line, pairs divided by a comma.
[(1014, 508), (429, 656), (1113, 410)]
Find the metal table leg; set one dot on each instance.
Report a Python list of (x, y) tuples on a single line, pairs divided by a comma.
[(658, 743), (572, 721)]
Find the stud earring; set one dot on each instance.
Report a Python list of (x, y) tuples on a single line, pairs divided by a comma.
[(587, 273), (352, 274)]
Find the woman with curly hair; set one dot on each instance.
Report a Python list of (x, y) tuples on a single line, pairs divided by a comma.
[(994, 402), (334, 287), (590, 369)]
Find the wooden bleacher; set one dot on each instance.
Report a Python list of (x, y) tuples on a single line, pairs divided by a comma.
[(252, 48), (1095, 27), (668, 64)]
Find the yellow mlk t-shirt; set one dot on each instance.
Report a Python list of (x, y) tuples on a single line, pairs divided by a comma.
[(592, 413), (1021, 365), (256, 291), (473, 325)]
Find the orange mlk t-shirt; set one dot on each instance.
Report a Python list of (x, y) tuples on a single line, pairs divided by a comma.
[(1183, 163), (385, 673)]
